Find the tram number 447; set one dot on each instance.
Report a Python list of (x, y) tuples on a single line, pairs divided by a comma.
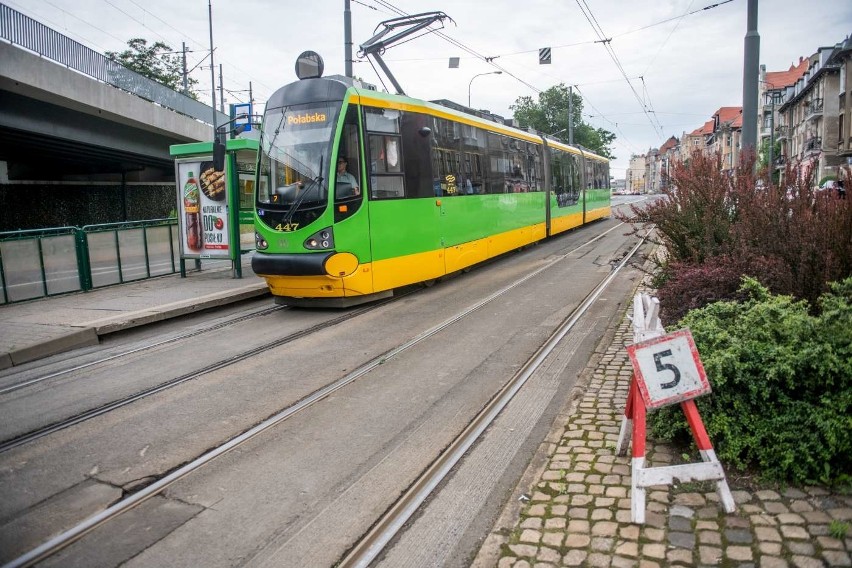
[(668, 369)]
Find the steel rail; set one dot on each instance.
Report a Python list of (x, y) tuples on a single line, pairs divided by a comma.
[(32, 435), (77, 532), (369, 547), (187, 335)]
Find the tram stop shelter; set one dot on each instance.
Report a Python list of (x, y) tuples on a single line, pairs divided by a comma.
[(215, 210)]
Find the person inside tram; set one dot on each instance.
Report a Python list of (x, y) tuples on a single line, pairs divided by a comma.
[(347, 185)]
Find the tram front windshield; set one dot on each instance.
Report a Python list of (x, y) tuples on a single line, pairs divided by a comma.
[(295, 148)]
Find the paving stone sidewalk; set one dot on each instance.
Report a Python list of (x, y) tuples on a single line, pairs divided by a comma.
[(578, 510)]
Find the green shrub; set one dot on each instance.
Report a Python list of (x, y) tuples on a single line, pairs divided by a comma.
[(782, 384)]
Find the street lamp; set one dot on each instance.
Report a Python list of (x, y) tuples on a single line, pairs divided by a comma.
[(474, 77)]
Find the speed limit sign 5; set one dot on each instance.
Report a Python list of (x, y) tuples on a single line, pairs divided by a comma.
[(668, 369)]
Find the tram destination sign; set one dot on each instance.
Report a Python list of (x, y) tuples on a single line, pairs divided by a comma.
[(668, 369)]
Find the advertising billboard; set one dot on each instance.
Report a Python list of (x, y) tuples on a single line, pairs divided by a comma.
[(202, 197)]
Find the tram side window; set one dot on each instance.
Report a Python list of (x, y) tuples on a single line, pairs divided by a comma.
[(557, 176), (590, 173), (473, 147), (385, 153), (602, 174), (517, 179), (534, 168), (386, 178), (445, 175), (574, 174), (498, 163), (565, 169), (416, 155)]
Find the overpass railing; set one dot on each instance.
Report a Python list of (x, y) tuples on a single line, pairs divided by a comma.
[(25, 32), (47, 262)]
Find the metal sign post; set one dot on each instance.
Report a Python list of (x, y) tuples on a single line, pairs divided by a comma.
[(666, 370)]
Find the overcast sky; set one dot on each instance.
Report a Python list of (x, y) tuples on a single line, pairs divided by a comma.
[(675, 62)]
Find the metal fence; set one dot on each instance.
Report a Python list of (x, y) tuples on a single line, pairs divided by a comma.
[(46, 262), (22, 30)]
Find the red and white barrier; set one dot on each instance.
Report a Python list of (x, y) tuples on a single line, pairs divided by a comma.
[(666, 370)]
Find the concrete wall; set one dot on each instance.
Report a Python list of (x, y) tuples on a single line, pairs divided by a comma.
[(28, 74), (43, 205)]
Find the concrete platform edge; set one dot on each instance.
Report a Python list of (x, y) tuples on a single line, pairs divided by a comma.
[(89, 333), (159, 313), (84, 337)]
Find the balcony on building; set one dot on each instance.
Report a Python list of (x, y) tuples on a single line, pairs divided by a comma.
[(781, 132), (814, 109), (779, 162), (813, 145)]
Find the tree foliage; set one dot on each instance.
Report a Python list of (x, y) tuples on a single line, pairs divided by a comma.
[(550, 115), (156, 61)]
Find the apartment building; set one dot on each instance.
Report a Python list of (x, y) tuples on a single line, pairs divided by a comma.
[(635, 177), (726, 135), (695, 141), (809, 115), (806, 112), (842, 59), (771, 88)]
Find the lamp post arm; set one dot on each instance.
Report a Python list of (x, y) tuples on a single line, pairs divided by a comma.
[(474, 77)]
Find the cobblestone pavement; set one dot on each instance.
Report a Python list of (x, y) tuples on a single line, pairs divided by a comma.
[(578, 511)]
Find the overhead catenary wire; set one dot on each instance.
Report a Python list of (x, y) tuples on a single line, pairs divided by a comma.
[(490, 61), (606, 42), (553, 47)]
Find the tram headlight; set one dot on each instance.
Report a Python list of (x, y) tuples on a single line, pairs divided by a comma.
[(321, 240), (259, 242)]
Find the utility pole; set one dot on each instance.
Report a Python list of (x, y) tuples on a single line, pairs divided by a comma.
[(347, 37), (751, 70), (570, 114), (212, 69), (185, 80), (221, 91)]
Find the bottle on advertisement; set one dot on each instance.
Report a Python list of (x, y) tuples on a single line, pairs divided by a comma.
[(191, 207)]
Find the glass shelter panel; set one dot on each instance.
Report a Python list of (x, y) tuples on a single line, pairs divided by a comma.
[(60, 264), (103, 259), (131, 247), (22, 268)]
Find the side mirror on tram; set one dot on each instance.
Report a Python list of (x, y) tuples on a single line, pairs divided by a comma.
[(425, 132)]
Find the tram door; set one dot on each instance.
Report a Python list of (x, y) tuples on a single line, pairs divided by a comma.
[(405, 232)]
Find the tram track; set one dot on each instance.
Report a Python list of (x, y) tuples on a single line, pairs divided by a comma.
[(393, 521), (157, 487), (79, 418), (187, 335)]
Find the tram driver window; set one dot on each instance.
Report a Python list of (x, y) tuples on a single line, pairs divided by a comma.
[(348, 150)]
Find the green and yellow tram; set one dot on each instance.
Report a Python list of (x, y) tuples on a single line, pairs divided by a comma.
[(361, 192)]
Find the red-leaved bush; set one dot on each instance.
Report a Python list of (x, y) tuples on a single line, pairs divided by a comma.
[(716, 228)]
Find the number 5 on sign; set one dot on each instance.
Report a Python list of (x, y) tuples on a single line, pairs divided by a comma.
[(668, 369)]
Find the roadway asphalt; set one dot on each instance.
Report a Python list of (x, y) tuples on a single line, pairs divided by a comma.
[(572, 507), (39, 328)]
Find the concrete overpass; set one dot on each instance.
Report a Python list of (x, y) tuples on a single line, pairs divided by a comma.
[(57, 122)]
